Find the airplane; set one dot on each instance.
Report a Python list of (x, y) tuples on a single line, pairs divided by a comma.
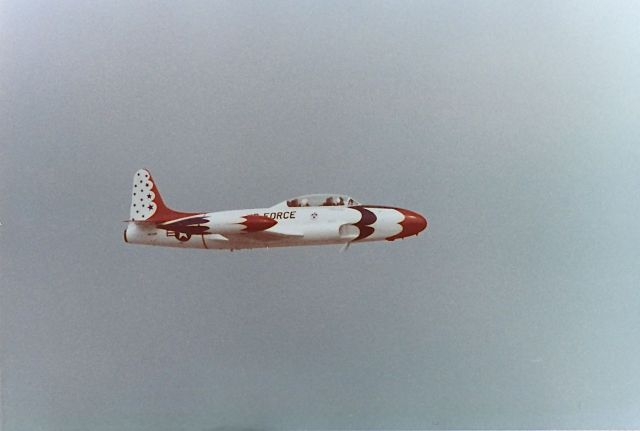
[(316, 219)]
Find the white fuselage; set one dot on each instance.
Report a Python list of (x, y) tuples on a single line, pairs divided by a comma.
[(295, 227), (304, 220)]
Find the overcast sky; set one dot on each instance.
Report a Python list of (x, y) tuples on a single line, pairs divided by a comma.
[(512, 126)]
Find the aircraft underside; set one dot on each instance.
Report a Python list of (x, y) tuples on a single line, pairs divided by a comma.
[(216, 242)]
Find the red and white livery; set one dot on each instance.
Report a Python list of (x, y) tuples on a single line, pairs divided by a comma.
[(305, 220)]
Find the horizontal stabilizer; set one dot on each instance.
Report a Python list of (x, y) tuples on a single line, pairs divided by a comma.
[(191, 225)]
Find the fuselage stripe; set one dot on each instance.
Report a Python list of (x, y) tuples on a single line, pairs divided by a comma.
[(368, 218)]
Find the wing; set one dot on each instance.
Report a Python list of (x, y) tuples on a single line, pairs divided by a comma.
[(276, 233)]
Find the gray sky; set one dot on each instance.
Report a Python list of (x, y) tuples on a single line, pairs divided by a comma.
[(513, 126)]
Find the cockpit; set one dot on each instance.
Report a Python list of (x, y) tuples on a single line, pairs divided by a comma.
[(321, 200)]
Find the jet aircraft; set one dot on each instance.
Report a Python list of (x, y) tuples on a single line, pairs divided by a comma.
[(316, 219)]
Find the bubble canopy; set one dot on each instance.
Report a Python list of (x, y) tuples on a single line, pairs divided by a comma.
[(320, 200)]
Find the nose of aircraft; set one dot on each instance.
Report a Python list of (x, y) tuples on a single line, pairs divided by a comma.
[(413, 223)]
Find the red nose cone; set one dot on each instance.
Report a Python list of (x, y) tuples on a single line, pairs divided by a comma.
[(412, 224), (256, 223)]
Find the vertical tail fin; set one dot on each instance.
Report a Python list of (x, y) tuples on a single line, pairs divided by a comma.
[(146, 202)]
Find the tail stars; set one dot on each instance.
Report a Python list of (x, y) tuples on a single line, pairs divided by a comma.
[(143, 196), (146, 202)]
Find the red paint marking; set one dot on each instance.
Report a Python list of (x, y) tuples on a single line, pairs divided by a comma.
[(412, 224), (190, 226), (257, 223), (367, 218), (164, 213)]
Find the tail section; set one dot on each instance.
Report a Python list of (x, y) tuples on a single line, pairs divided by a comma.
[(146, 202)]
